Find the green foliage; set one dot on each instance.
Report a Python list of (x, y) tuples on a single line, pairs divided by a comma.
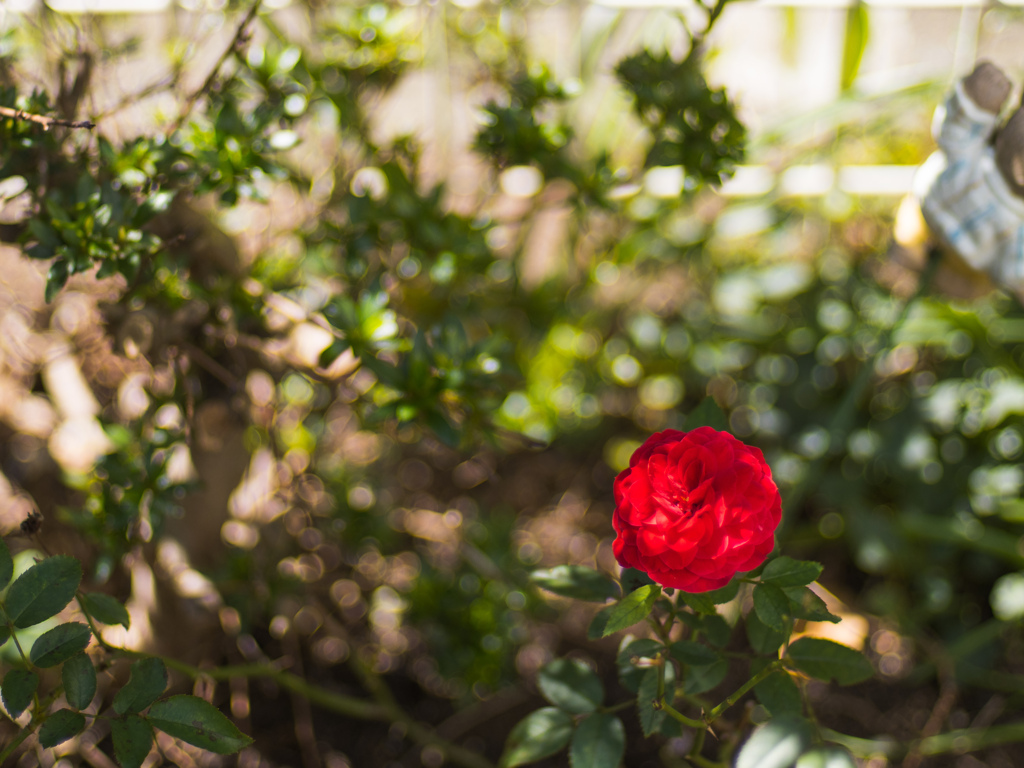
[(78, 676), (826, 659), (59, 644), (777, 744), (17, 690), (133, 739), (632, 608), (42, 591), (197, 722), (540, 734), (599, 741), (577, 582), (105, 609), (571, 686), (693, 125), (147, 683), (61, 726)]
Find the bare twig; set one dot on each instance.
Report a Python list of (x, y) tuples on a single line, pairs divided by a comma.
[(240, 36), (43, 120)]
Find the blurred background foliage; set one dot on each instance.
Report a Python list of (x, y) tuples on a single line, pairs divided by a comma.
[(334, 338)]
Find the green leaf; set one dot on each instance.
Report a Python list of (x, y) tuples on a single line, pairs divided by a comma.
[(197, 722), (701, 603), (716, 629), (825, 659), (805, 604), (599, 742), (779, 694), (787, 572), (692, 654), (596, 629), (60, 726), (632, 579), (705, 677), (105, 609), (79, 677), (538, 735), (577, 582), (776, 744), (18, 688), (707, 414), (147, 682), (56, 278), (133, 739), (651, 718), (725, 594), (854, 43), (826, 757), (6, 565), (43, 590), (630, 675), (571, 685), (59, 644), (772, 606), (763, 639), (633, 608)]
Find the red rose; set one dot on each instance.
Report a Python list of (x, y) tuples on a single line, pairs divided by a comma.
[(693, 509)]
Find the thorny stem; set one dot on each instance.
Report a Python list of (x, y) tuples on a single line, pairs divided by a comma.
[(385, 709), (715, 713), (43, 120)]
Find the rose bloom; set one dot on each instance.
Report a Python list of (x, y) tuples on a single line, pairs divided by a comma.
[(693, 509)]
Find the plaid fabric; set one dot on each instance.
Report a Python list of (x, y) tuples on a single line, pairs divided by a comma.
[(965, 199)]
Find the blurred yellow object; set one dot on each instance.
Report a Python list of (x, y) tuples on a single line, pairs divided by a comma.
[(909, 252)]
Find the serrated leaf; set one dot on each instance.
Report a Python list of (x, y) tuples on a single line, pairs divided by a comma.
[(17, 690), (197, 722), (538, 735), (571, 685), (787, 572), (826, 659), (133, 739), (772, 606), (59, 644), (79, 677), (692, 653), (705, 677), (779, 694), (826, 757), (577, 582), (805, 604), (6, 565), (60, 726), (776, 744), (707, 414), (650, 716), (763, 639), (630, 674), (106, 609), (598, 742), (147, 682), (633, 608), (43, 590)]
